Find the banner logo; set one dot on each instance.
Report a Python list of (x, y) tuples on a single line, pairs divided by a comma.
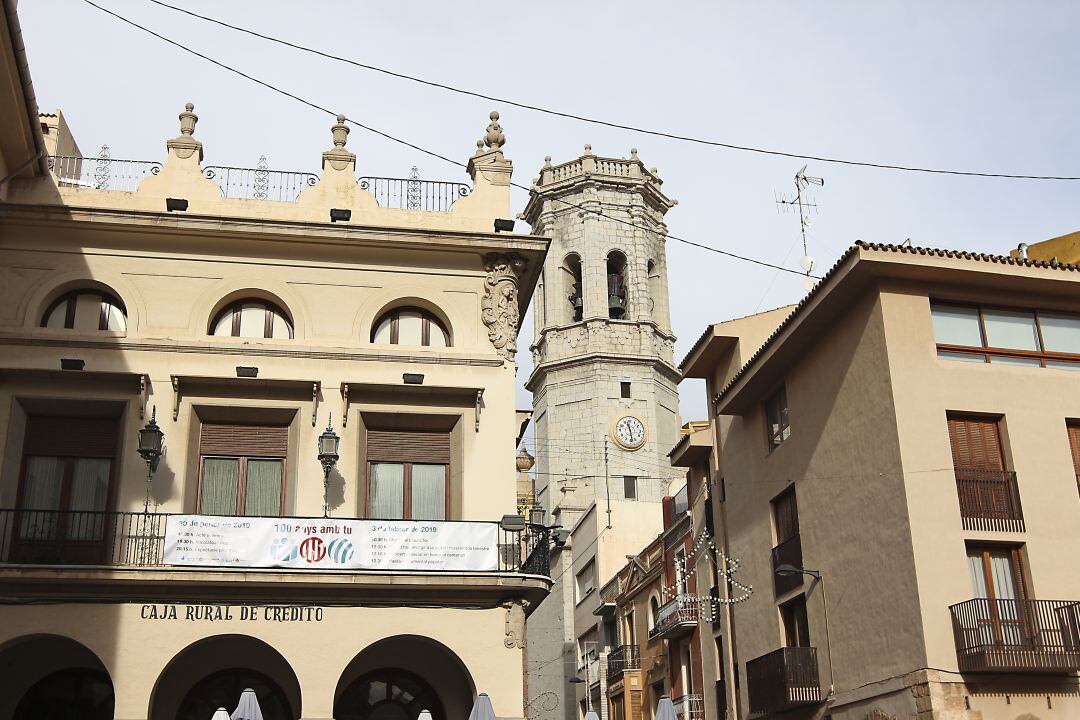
[(313, 550)]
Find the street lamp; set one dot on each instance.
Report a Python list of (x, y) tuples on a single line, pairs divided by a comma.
[(151, 447), (328, 456), (787, 569)]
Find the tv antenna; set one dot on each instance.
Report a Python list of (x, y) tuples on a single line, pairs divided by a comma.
[(805, 206)]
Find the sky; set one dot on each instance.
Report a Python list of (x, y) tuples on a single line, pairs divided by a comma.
[(985, 86)]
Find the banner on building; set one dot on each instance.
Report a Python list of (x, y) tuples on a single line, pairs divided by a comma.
[(325, 543)]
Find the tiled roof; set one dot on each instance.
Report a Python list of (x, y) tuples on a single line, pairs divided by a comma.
[(882, 247), (709, 329)]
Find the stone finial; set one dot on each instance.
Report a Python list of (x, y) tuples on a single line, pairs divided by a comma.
[(494, 137), (547, 161), (480, 146), (633, 154), (340, 132), (188, 120), (588, 149), (524, 460)]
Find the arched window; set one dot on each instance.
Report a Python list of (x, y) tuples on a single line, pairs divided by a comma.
[(252, 318), (616, 283), (388, 695), (410, 326), (223, 689), (573, 290), (82, 693), (654, 611), (86, 310), (654, 289)]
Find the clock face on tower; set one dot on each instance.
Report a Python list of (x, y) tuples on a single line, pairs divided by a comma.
[(628, 432)]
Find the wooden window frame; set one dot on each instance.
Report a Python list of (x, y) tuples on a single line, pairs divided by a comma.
[(1019, 577), (406, 504), (774, 440), (789, 621), (986, 351), (1072, 430), (427, 317), (71, 299), (269, 308), (241, 482)]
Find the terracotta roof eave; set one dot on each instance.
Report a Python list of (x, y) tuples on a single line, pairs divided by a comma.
[(853, 251)]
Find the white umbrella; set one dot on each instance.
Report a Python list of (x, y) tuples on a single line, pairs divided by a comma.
[(591, 715), (248, 709), (665, 710), (424, 715), (221, 714), (481, 709)]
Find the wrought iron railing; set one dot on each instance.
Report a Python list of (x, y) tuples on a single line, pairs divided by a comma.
[(624, 657), (412, 193), (788, 552), (260, 182), (1017, 635), (680, 612), (689, 707), (102, 172), (989, 500), (783, 679), (136, 539)]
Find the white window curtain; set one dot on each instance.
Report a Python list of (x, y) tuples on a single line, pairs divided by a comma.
[(89, 496), (429, 492), (387, 491), (220, 481), (262, 487), (41, 491)]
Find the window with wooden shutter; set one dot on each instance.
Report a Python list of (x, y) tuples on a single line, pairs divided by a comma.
[(786, 516), (242, 469), (1074, 444), (988, 493), (408, 474)]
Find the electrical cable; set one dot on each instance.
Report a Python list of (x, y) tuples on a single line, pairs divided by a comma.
[(426, 151), (611, 124)]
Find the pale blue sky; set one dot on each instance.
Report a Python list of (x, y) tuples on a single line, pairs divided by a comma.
[(986, 85)]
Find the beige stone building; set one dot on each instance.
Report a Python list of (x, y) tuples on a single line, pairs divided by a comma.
[(904, 448), (605, 403), (245, 313)]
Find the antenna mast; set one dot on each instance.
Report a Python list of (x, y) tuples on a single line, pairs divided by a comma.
[(802, 182)]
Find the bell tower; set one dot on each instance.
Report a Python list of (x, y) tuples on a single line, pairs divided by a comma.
[(605, 402)]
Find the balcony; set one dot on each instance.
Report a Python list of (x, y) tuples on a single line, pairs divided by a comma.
[(788, 552), (676, 618), (689, 707), (621, 659), (138, 540), (1029, 636), (782, 680), (989, 500)]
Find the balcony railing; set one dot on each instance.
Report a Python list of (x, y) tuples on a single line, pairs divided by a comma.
[(689, 707), (783, 679), (622, 658), (102, 172), (135, 539), (412, 193), (989, 500), (788, 552), (1037, 636), (676, 618), (260, 183)]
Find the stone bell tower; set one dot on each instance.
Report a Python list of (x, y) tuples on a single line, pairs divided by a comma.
[(605, 403), (603, 347)]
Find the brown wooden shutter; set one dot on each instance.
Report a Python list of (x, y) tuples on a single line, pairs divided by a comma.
[(247, 440), (1074, 443), (71, 436), (976, 443), (786, 513), (408, 446), (635, 705)]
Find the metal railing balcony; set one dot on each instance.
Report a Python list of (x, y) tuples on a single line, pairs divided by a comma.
[(102, 172), (783, 679), (689, 707), (676, 618), (989, 500), (788, 552), (260, 183), (412, 193), (1031, 636), (137, 540), (622, 658)]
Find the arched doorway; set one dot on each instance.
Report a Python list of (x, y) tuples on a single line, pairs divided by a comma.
[(397, 677), (47, 677), (212, 672), (389, 694)]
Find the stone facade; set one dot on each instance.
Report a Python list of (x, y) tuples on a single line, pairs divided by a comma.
[(602, 350)]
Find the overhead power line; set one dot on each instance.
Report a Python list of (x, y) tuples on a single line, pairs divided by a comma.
[(432, 153), (609, 123)]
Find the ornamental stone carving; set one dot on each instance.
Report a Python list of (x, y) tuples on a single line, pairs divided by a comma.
[(184, 144), (515, 623), (879, 714), (499, 309)]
